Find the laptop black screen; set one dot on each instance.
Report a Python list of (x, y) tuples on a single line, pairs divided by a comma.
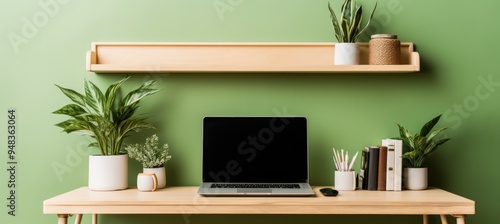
[(255, 149)]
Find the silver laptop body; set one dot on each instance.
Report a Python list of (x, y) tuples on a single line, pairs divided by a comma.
[(255, 156)]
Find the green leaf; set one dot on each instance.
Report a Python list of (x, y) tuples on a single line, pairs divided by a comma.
[(418, 161), (419, 143), (127, 126), (148, 84), (84, 132), (406, 136), (442, 141), (133, 125), (433, 146), (72, 110), (111, 94), (429, 125), (344, 27), (124, 113), (94, 97), (73, 95), (435, 133), (137, 95), (409, 155), (430, 148), (367, 23), (415, 158), (74, 125), (352, 8), (347, 10), (335, 23), (357, 18)]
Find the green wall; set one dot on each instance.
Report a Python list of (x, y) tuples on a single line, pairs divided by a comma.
[(44, 43)]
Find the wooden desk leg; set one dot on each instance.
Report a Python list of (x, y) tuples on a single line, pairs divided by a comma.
[(443, 219), (78, 219), (460, 219), (425, 219), (94, 218), (62, 219)]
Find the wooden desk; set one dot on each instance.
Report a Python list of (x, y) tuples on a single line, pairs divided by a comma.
[(185, 200)]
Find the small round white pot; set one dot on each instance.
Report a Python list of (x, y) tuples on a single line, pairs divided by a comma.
[(108, 173), (160, 173), (346, 54), (415, 178)]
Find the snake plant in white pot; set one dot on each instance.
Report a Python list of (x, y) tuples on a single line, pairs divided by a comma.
[(108, 119), (348, 29), (416, 148)]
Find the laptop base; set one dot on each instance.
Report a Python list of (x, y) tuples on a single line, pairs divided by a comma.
[(304, 190)]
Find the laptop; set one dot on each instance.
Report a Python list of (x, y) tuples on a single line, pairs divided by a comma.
[(255, 156)]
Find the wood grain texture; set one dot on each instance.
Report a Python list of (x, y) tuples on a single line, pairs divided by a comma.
[(185, 200), (143, 57)]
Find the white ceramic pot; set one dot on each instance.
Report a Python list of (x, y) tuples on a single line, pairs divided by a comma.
[(346, 54), (415, 178), (108, 173), (160, 173)]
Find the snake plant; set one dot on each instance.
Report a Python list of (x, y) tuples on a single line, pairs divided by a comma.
[(421, 145), (348, 27), (104, 116)]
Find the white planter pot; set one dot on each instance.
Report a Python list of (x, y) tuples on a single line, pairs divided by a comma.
[(346, 54), (108, 173), (160, 173), (415, 178)]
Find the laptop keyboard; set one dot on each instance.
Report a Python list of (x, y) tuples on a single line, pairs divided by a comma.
[(255, 186)]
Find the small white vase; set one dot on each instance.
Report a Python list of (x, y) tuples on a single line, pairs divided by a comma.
[(415, 178), (108, 173), (160, 173), (346, 54)]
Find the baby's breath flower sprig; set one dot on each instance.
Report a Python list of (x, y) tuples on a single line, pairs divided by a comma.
[(150, 154)]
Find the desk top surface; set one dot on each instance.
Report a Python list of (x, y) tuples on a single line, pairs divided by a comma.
[(185, 200)]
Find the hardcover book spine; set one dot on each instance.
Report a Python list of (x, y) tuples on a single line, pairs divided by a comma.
[(389, 178), (382, 166), (398, 164), (373, 168), (363, 171)]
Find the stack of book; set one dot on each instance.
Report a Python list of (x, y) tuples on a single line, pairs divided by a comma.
[(381, 166)]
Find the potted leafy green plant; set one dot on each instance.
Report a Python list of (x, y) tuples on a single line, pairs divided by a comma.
[(416, 148), (108, 119), (152, 157), (348, 29)]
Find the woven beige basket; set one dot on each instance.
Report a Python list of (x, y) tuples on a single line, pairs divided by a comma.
[(384, 50)]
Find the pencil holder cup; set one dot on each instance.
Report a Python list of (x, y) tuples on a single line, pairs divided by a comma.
[(147, 182), (345, 180)]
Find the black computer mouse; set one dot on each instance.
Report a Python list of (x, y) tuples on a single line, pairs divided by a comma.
[(329, 191)]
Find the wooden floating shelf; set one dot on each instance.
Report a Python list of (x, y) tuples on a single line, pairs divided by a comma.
[(142, 57)]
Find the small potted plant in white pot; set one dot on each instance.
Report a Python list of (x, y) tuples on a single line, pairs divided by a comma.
[(152, 157), (108, 119), (416, 148), (348, 29)]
